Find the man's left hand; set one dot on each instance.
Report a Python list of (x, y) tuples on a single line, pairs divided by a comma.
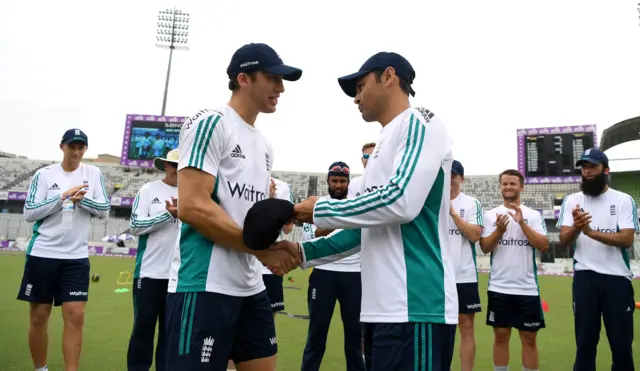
[(303, 211)]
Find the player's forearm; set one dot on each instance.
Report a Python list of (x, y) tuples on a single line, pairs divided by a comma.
[(333, 247), (37, 211), (97, 208), (538, 241), (321, 232), (210, 220), (487, 244), (569, 235), (622, 240), (141, 226), (470, 231)]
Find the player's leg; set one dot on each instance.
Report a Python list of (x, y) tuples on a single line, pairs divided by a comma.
[(161, 343), (529, 319), (499, 316), (39, 282), (200, 330), (321, 298), (73, 294), (145, 318), (255, 345), (348, 286), (367, 344), (587, 309), (468, 306), (617, 311)]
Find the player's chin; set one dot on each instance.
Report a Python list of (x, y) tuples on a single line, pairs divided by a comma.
[(269, 108)]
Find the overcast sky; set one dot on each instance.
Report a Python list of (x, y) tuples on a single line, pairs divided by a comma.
[(486, 68)]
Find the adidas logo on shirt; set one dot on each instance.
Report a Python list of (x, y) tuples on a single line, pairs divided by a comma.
[(237, 152), (155, 201), (54, 187)]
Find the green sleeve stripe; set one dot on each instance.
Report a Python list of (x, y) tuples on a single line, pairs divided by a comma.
[(137, 223), (202, 141), (95, 205), (634, 214), (479, 220), (559, 224), (33, 189), (41, 204), (388, 194)]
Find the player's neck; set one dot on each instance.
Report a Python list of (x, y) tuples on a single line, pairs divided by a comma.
[(68, 166), (394, 108), (507, 203), (169, 183), (244, 109), (455, 194)]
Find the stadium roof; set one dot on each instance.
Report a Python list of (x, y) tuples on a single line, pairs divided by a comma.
[(624, 131)]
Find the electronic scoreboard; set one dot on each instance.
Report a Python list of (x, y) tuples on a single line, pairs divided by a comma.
[(147, 137), (549, 155)]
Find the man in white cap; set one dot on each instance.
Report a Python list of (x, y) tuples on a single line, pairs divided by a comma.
[(154, 219)]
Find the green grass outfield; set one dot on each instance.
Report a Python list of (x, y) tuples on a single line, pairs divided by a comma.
[(109, 319)]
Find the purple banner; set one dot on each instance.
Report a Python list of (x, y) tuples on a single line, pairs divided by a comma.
[(173, 121), (522, 133), (4, 244), (17, 196)]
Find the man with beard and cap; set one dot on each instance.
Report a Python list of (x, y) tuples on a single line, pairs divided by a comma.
[(601, 223), (511, 233), (337, 280)]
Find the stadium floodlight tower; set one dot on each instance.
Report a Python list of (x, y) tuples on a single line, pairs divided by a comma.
[(173, 33)]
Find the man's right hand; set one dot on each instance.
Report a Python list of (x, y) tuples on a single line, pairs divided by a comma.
[(74, 192), (279, 258), (581, 219), (502, 222)]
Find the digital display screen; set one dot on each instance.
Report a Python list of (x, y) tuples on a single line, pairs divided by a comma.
[(150, 139), (549, 155)]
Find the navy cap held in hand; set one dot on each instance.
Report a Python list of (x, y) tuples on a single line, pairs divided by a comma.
[(264, 221)]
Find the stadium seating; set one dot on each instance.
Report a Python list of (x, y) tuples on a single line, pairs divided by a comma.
[(15, 173)]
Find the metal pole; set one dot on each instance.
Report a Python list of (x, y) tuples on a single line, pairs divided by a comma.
[(166, 84)]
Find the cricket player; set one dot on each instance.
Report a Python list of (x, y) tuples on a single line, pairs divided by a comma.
[(512, 233), (217, 307), (154, 218), (601, 223)]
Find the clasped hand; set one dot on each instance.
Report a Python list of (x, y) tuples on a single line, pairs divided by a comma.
[(281, 258), (581, 219)]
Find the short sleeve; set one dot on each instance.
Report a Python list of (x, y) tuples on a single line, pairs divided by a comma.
[(488, 226), (628, 215), (202, 142), (566, 213), (537, 223), (474, 212)]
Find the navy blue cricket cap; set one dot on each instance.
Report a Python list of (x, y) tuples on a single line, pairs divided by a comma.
[(74, 135), (339, 168), (260, 57), (594, 156), (380, 62), (264, 221), (457, 168)]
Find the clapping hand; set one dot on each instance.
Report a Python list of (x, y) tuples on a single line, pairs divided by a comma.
[(501, 223), (581, 219), (517, 215), (75, 194), (172, 206)]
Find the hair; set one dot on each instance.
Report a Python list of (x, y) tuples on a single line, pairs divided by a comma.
[(368, 145), (404, 86), (233, 82), (512, 172)]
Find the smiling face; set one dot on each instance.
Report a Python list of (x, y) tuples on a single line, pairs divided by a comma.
[(263, 90), (73, 152)]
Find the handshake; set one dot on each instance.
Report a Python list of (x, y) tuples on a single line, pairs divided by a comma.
[(262, 226)]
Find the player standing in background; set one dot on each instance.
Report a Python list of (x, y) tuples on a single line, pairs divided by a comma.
[(356, 183), (465, 222), (217, 307), (339, 280), (600, 222), (409, 297), (57, 264), (272, 282), (511, 233), (154, 219)]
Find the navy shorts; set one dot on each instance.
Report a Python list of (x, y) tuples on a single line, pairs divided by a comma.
[(206, 329), (408, 346), (57, 281), (468, 298), (522, 312), (273, 284)]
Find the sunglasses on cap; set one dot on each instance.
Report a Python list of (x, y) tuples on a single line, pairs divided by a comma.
[(365, 156), (340, 169)]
